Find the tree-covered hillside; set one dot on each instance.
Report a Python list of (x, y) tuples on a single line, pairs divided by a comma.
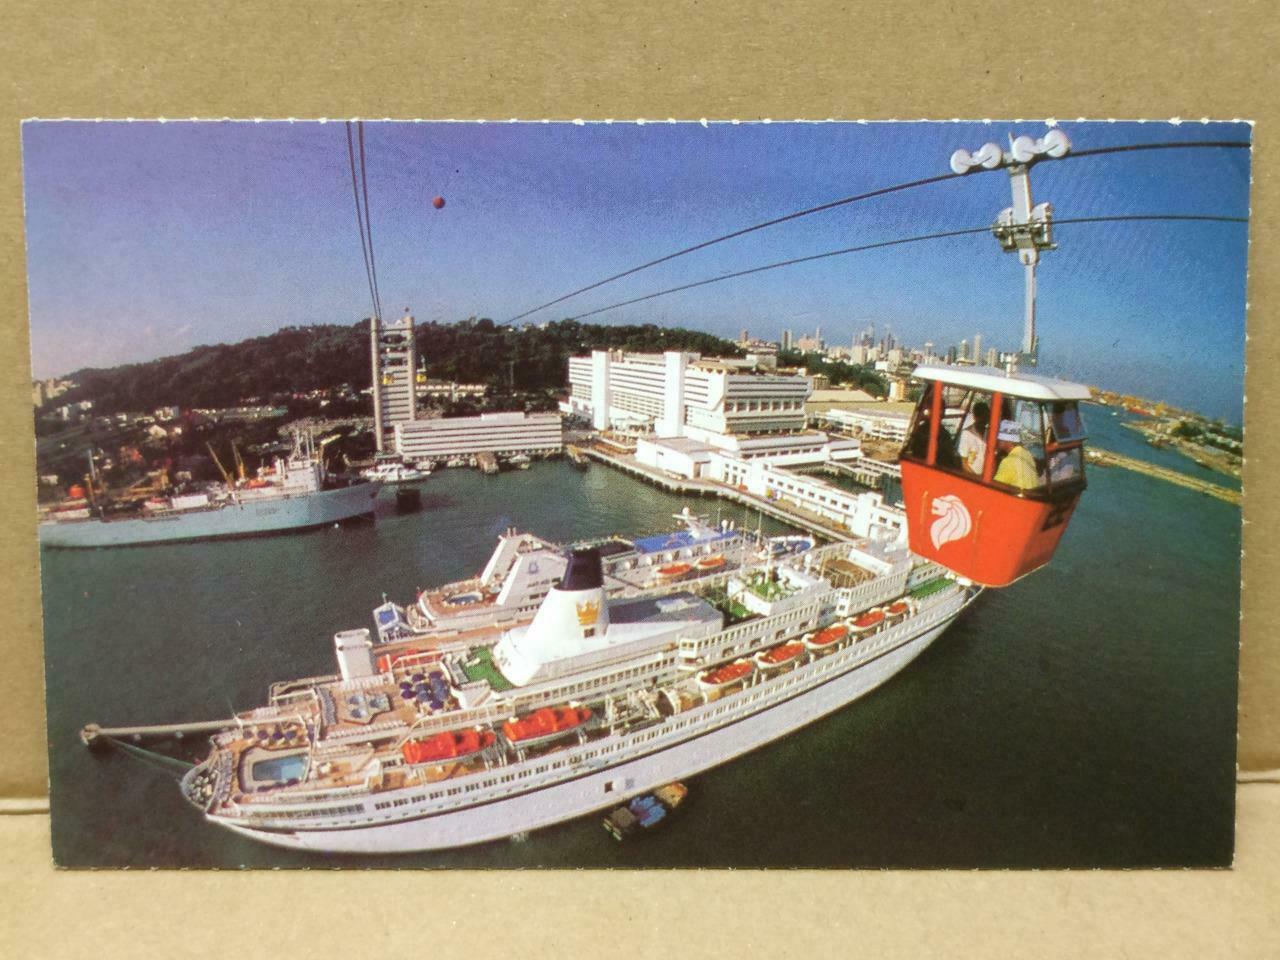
[(300, 359)]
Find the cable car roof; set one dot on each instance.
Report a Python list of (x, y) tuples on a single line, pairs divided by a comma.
[(993, 379)]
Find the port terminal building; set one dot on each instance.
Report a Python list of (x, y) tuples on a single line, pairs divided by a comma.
[(502, 434)]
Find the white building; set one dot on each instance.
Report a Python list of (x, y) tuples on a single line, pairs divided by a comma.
[(504, 434), (678, 394), (880, 425), (690, 458), (395, 362)]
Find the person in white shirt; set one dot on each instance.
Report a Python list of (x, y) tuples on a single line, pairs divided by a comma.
[(973, 439)]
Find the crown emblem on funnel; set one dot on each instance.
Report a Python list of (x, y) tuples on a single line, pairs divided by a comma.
[(588, 612)]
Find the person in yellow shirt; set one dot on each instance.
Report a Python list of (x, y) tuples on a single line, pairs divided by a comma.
[(1018, 469)]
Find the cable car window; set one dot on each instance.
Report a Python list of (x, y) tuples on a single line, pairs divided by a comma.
[(1065, 466), (1065, 423)]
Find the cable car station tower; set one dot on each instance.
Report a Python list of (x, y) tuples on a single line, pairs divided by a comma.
[(1023, 228)]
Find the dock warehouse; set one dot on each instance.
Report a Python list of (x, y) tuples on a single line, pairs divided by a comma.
[(498, 433)]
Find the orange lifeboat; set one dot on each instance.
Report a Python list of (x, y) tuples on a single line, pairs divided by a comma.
[(674, 571), (723, 676), (828, 638), (714, 562), (867, 622), (779, 656), (545, 724), (448, 746)]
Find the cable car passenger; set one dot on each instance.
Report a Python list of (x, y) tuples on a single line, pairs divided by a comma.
[(973, 439)]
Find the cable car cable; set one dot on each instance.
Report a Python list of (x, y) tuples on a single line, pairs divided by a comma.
[(900, 241), (355, 192), (368, 221), (883, 191)]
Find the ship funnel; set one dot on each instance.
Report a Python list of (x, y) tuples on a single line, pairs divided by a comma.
[(584, 571), (572, 620)]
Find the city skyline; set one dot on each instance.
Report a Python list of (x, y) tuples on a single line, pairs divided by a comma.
[(178, 234)]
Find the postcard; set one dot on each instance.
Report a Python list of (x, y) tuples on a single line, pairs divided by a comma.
[(702, 494)]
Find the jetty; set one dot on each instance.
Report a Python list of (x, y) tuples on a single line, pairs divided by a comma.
[(786, 512), (1106, 458)]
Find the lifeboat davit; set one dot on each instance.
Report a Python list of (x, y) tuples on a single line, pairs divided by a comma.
[(714, 562), (867, 622), (674, 571), (723, 676), (779, 656), (828, 638), (448, 746), (545, 724)]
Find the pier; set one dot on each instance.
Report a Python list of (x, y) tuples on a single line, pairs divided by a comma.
[(787, 513), (1105, 458)]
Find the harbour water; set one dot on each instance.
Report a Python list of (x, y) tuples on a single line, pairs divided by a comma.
[(1083, 717)]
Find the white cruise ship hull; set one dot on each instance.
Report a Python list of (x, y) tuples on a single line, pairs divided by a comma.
[(251, 517), (607, 786)]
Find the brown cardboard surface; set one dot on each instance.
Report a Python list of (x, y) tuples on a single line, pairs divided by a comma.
[(740, 914), (658, 59)]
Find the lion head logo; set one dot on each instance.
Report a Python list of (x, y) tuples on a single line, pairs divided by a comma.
[(953, 521)]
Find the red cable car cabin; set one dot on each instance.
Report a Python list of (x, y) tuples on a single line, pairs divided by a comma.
[(992, 469)]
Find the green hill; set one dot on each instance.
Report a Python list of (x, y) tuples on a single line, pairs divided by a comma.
[(300, 359)]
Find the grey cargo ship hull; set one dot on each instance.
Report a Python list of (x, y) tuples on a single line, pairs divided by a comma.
[(251, 518)]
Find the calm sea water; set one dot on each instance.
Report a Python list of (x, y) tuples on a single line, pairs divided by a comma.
[(1082, 717)]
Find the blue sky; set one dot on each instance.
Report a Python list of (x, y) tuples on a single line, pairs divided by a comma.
[(144, 239)]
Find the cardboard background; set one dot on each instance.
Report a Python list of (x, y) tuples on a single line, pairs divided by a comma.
[(654, 60)]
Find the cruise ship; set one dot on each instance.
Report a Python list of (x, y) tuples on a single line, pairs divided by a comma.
[(524, 566), (595, 700), (295, 493)]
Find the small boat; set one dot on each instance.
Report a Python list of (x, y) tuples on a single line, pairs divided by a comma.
[(645, 811), (392, 473), (867, 622), (450, 746), (826, 639), (674, 571), (544, 725), (723, 676), (714, 562), (520, 461), (779, 656), (897, 610)]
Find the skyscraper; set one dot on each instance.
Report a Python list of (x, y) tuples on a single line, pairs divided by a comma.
[(786, 339), (977, 348)]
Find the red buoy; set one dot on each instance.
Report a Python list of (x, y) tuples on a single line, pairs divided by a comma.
[(438, 203)]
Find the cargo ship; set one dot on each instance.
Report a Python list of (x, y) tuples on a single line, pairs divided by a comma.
[(597, 700), (294, 493)]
